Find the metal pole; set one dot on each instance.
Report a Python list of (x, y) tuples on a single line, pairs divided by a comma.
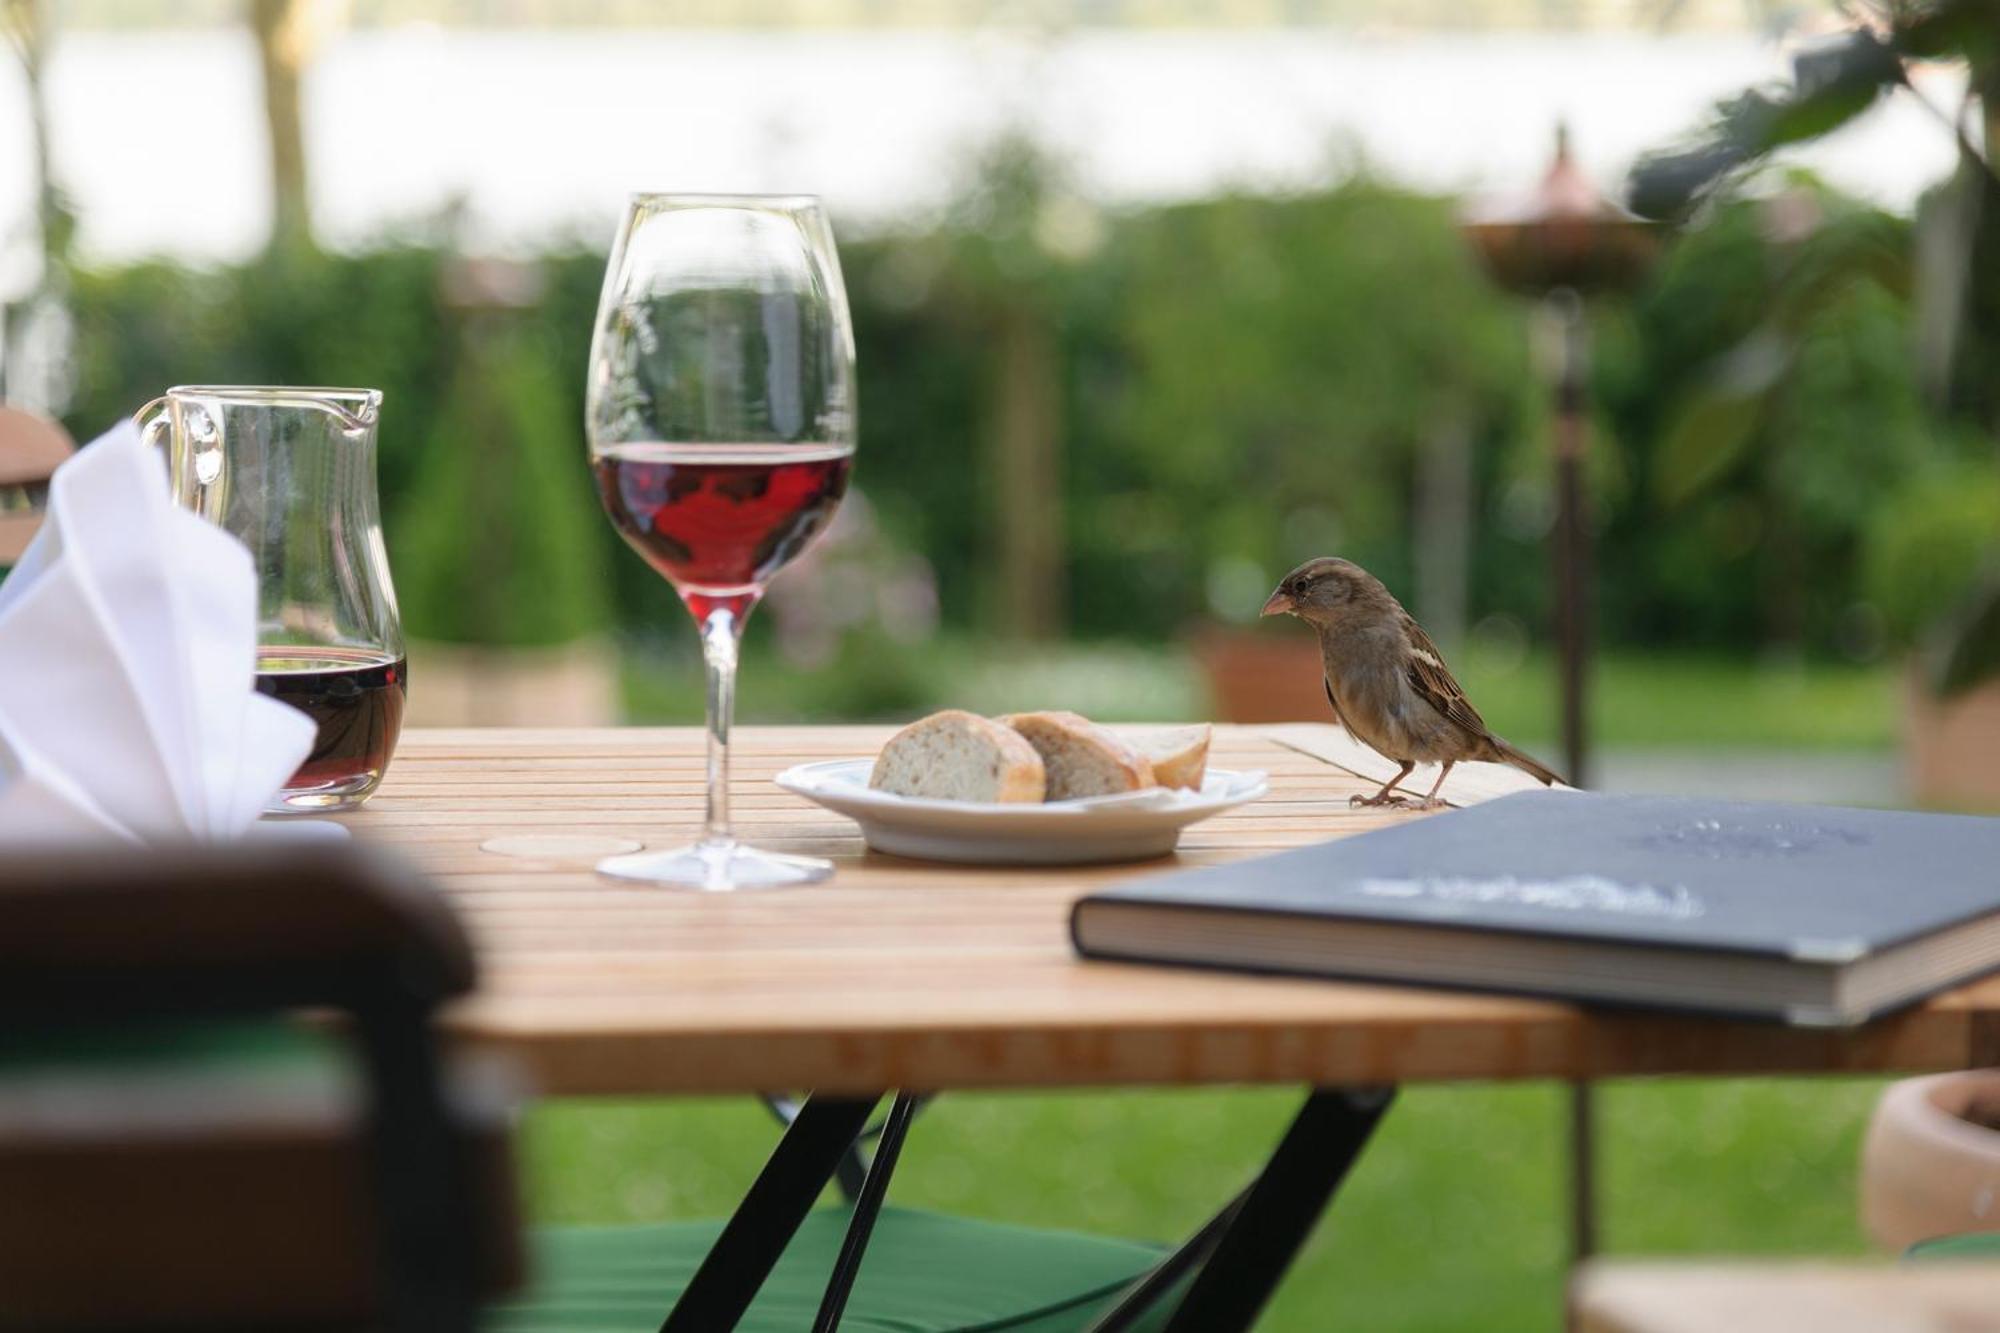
[(1572, 533), (1582, 1171), (1573, 587)]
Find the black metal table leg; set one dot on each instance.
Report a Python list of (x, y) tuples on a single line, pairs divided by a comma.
[(867, 1206), (1275, 1218), (769, 1216), (1139, 1300), (853, 1168)]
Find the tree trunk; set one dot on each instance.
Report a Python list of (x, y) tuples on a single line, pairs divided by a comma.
[(28, 29), (35, 331), (281, 40), (1972, 390), (1028, 466)]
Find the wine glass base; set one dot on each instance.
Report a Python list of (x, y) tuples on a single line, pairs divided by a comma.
[(717, 867)]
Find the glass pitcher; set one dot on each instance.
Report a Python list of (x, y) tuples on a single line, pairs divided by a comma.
[(292, 473)]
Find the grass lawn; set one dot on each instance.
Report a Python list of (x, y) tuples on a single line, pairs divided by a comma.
[(1452, 1220), (1638, 700)]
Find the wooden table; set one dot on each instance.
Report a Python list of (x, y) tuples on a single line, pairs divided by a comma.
[(910, 974), (906, 975)]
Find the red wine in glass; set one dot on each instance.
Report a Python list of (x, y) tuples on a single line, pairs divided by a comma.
[(718, 520), (355, 696)]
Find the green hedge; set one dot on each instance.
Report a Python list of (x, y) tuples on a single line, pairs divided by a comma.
[(1245, 382)]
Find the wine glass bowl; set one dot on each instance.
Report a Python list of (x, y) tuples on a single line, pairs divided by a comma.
[(720, 415)]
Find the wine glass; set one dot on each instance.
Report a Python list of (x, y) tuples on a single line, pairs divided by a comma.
[(720, 413)]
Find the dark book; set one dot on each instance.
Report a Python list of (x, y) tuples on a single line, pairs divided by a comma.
[(1808, 914)]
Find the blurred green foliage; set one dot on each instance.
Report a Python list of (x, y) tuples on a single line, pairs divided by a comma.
[(1929, 542), (487, 507), (1245, 382), (1283, 363), (497, 539), (1835, 80), (1764, 384)]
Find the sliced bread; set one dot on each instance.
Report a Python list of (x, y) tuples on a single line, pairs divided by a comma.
[(959, 756), (1080, 757), (1179, 755)]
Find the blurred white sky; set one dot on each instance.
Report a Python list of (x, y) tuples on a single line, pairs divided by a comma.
[(159, 136)]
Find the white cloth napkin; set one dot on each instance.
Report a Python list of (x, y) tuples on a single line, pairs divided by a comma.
[(128, 658)]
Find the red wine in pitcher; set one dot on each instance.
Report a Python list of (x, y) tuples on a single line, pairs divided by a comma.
[(719, 519), (356, 697)]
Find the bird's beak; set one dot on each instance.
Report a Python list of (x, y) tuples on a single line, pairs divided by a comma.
[(1280, 604)]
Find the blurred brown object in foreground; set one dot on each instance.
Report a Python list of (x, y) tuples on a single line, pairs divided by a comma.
[(1930, 1161), (31, 448), (178, 1151), (1651, 1296)]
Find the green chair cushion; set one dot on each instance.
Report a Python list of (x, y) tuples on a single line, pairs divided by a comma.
[(222, 1046), (1970, 1245), (212, 1073), (923, 1273)]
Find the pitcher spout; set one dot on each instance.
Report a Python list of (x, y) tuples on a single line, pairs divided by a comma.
[(357, 410)]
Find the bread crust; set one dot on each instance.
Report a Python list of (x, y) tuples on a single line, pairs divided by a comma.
[(1179, 756), (907, 763), (1080, 758)]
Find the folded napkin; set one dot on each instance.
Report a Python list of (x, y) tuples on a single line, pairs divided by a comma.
[(128, 659)]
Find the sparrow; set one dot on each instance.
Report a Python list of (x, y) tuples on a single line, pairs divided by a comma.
[(1386, 680)]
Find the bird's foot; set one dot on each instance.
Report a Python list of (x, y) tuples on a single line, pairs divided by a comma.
[(1394, 799), (1433, 803)]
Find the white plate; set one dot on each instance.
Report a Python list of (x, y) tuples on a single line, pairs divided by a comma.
[(1127, 827)]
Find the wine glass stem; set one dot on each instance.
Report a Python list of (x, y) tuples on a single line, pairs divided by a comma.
[(719, 636)]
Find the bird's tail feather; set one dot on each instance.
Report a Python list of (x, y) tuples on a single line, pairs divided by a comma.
[(1527, 763)]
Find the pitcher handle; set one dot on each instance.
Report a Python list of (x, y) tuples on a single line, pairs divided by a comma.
[(153, 422)]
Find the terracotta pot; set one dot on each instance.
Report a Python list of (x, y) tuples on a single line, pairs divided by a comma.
[(32, 447), (1952, 747), (1930, 1165), (1262, 677), (462, 685)]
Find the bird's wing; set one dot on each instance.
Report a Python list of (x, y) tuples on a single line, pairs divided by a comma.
[(1338, 716), (1434, 683)]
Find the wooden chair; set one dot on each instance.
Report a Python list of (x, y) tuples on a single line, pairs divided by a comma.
[(178, 1151), (31, 448)]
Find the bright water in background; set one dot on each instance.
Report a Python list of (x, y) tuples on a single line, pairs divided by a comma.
[(159, 136)]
